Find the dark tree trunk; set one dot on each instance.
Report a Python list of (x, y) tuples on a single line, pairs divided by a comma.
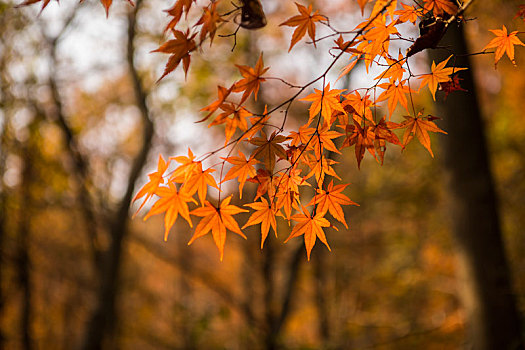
[(101, 327), (485, 278)]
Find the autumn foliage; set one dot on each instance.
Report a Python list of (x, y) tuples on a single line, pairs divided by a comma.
[(294, 171)]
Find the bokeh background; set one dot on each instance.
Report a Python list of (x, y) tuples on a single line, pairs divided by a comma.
[(82, 121)]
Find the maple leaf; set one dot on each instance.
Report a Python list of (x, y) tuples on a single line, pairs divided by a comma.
[(438, 7), (326, 102), (377, 38), (172, 202), (311, 226), (383, 134), (362, 138), (265, 215), (347, 69), (223, 94), (395, 93), (238, 119), (31, 2), (180, 6), (324, 137), (409, 13), (217, 220), (304, 22), (451, 85), (186, 168), (209, 20), (504, 44), (258, 122), (439, 74), (264, 178), (357, 105), (331, 201), (268, 148), (252, 79), (199, 181), (345, 46), (384, 5), (362, 4), (320, 166), (419, 126), (395, 70), (242, 169), (288, 190), (155, 179), (301, 136), (106, 4), (180, 49)]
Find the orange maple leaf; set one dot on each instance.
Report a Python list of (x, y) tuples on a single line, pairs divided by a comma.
[(311, 226), (155, 179), (395, 93), (258, 122), (359, 106), (176, 11), (209, 20), (362, 4), (395, 70), (378, 36), (187, 167), (265, 215), (268, 148), (438, 7), (439, 74), (419, 126), (180, 49), (223, 94), (383, 134), (265, 180), (172, 202), (288, 189), (252, 79), (320, 166), (301, 136), (331, 201), (242, 169), (31, 2), (326, 102), (362, 138), (304, 22), (105, 3), (199, 181), (324, 138), (504, 43), (238, 119), (384, 4), (409, 13), (217, 220)]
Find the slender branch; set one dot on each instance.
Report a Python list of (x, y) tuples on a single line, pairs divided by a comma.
[(80, 163)]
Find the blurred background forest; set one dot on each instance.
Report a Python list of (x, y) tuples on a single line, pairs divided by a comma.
[(82, 121)]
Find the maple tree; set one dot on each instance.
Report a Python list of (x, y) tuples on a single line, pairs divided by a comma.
[(294, 170)]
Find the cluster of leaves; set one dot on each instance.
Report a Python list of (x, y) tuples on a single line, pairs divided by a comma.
[(294, 170)]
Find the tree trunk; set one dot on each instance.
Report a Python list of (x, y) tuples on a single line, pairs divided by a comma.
[(101, 328), (484, 274)]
